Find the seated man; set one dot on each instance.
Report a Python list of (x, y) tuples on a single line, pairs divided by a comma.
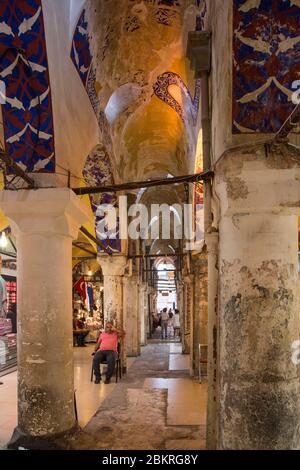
[(106, 350), (79, 331)]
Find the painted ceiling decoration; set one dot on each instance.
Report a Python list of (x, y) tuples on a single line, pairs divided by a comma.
[(165, 80), (164, 12), (161, 90), (121, 98), (165, 9), (97, 170), (201, 4), (82, 58), (27, 110), (81, 54), (266, 62)]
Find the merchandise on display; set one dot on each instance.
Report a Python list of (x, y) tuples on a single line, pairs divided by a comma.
[(89, 308)]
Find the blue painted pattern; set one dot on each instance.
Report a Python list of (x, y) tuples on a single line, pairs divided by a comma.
[(266, 62), (27, 110), (81, 54), (161, 90)]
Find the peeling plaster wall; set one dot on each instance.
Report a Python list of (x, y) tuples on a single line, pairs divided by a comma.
[(200, 316), (259, 299), (259, 320)]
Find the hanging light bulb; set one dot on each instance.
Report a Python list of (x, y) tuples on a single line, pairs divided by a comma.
[(3, 240)]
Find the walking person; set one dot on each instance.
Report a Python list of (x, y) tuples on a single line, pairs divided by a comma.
[(164, 323), (177, 323), (171, 324)]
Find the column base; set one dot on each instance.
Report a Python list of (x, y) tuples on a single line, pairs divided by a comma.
[(59, 441)]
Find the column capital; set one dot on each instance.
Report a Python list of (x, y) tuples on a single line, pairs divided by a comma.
[(249, 184), (113, 265), (50, 212)]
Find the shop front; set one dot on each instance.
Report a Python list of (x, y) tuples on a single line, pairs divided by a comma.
[(88, 314), (8, 306)]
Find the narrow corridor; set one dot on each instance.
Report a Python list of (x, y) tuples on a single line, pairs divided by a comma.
[(156, 406)]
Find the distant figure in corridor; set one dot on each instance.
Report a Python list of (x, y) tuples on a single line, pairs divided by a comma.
[(176, 323), (107, 350), (164, 323), (171, 323)]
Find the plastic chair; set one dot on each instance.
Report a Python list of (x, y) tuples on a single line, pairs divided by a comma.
[(118, 366)]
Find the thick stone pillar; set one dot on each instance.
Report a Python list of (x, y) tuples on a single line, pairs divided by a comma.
[(259, 309), (259, 318), (113, 269), (200, 317), (44, 222), (211, 240), (131, 309)]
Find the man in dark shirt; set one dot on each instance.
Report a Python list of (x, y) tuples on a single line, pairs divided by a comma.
[(79, 330)]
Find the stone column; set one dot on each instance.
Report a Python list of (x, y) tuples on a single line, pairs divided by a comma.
[(200, 316), (151, 307), (188, 314), (143, 310), (113, 269), (259, 309), (44, 222), (211, 240), (180, 306), (131, 309), (260, 386)]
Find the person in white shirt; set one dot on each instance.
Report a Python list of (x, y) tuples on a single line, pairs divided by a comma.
[(164, 323), (171, 324)]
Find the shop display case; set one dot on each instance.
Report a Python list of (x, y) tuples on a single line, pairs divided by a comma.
[(8, 347), (8, 329)]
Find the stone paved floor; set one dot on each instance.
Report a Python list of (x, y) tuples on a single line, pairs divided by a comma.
[(137, 413)]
